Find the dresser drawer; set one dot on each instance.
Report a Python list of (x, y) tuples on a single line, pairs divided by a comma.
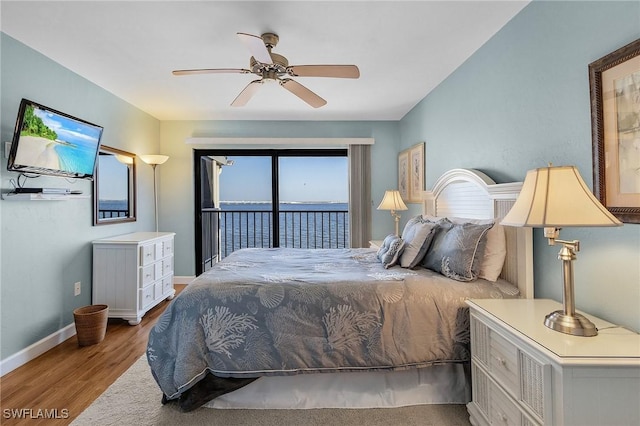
[(502, 409), (147, 254), (147, 296), (167, 284), (147, 275), (167, 266), (167, 248), (503, 362)]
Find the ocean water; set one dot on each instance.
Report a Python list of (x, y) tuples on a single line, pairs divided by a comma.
[(302, 225), (79, 157), (112, 208)]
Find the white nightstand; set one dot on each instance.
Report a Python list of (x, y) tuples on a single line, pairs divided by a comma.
[(375, 244), (527, 374)]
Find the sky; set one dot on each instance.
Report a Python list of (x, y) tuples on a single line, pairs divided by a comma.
[(307, 179), (112, 176)]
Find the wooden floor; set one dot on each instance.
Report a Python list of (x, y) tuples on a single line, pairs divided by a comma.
[(67, 379)]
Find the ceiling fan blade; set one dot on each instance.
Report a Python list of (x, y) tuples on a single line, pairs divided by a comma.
[(337, 71), (211, 71), (257, 47), (247, 93), (303, 93)]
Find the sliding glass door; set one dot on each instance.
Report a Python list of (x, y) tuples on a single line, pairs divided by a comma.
[(306, 191)]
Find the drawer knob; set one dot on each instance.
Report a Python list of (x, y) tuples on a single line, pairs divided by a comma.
[(503, 417), (501, 361)]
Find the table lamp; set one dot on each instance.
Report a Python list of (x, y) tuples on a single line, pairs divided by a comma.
[(393, 201), (553, 198)]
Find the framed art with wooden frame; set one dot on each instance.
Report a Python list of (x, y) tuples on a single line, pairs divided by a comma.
[(416, 173), (615, 127), (403, 175)]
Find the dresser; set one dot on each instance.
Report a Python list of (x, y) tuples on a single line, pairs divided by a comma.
[(132, 273), (524, 373)]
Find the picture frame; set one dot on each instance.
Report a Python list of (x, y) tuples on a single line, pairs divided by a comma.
[(403, 175), (614, 82), (416, 173)]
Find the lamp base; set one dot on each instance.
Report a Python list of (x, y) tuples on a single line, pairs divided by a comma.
[(576, 325)]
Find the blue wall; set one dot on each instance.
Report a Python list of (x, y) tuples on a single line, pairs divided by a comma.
[(522, 101), (177, 203), (46, 245)]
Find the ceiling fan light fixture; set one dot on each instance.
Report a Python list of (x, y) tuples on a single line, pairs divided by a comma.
[(272, 67)]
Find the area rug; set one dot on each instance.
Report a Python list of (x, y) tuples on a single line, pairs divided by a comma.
[(134, 399)]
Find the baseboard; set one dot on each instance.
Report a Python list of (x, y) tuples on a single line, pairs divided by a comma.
[(35, 350), (183, 279)]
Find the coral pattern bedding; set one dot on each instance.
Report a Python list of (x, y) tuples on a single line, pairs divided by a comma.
[(282, 311)]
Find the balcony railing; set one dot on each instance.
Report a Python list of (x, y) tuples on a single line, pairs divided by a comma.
[(297, 229), (102, 213)]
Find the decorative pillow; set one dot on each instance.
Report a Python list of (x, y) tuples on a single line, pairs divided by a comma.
[(429, 261), (417, 235), (457, 253), (495, 250), (390, 251)]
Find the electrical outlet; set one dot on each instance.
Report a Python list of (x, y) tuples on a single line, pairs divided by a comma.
[(76, 288)]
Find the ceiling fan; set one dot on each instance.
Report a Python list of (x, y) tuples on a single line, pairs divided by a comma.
[(273, 67)]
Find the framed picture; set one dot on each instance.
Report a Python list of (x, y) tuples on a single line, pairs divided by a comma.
[(615, 129), (416, 173), (403, 175)]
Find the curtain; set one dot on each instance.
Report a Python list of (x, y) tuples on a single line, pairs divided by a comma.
[(359, 195)]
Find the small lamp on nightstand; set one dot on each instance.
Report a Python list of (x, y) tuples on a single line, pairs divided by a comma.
[(393, 201), (153, 160), (554, 198)]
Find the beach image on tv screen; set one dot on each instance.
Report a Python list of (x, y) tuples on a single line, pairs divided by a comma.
[(53, 141)]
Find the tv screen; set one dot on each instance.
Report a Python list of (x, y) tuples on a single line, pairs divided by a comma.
[(49, 142)]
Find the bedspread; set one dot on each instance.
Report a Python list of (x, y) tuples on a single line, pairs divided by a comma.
[(289, 311)]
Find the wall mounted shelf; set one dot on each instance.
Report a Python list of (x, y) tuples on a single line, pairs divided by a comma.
[(10, 196)]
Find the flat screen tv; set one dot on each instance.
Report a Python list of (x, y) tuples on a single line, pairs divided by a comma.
[(50, 142)]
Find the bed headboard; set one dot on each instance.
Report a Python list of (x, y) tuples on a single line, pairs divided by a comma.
[(472, 194)]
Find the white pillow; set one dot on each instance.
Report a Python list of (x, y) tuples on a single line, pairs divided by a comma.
[(495, 250)]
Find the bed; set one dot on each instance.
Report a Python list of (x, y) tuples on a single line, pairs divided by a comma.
[(294, 328)]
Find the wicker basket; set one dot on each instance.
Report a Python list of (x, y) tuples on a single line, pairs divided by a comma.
[(91, 324)]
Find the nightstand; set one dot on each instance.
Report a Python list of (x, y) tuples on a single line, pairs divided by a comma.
[(524, 373), (375, 244)]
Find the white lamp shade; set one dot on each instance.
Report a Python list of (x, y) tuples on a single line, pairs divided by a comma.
[(154, 158), (124, 159), (392, 201), (557, 197)]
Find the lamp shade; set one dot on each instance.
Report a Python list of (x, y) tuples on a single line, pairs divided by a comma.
[(392, 201), (124, 159), (557, 197), (154, 158)]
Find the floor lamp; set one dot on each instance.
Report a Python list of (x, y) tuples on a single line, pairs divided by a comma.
[(554, 198), (154, 160)]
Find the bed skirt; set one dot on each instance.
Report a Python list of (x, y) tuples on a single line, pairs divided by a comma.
[(438, 384)]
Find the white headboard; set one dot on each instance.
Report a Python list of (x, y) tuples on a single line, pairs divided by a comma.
[(469, 193)]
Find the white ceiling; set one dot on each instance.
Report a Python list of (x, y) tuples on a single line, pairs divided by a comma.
[(403, 50)]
